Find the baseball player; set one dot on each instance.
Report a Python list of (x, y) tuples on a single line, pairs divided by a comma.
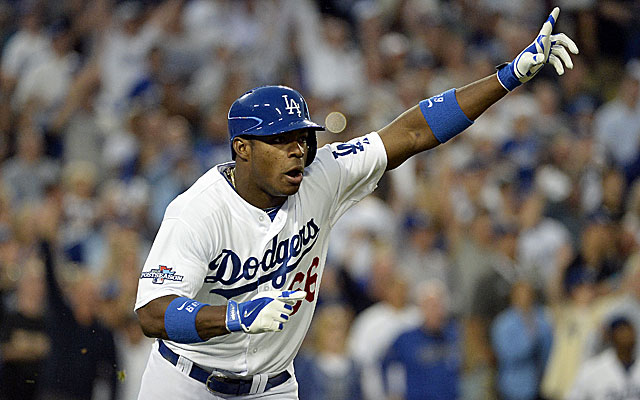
[(231, 281)]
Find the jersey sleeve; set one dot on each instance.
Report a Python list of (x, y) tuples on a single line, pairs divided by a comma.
[(176, 265), (352, 170)]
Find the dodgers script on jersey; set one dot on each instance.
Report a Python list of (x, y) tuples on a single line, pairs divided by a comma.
[(213, 246)]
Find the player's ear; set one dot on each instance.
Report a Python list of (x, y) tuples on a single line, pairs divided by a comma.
[(242, 148)]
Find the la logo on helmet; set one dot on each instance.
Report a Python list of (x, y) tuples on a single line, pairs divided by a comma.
[(291, 105)]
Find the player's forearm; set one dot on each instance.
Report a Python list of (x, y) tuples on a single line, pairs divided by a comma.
[(411, 133), (475, 98), (210, 320)]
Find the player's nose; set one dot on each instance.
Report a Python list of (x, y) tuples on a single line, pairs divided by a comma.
[(296, 149)]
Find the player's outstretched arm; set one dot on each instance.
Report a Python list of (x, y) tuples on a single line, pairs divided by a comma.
[(185, 320), (442, 117)]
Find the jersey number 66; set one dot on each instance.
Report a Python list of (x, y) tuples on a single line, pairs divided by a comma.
[(309, 283)]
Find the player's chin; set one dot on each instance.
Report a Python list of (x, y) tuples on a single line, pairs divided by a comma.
[(292, 181), (290, 189), (287, 189)]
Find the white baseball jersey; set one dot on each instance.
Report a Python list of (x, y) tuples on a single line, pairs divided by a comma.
[(213, 246), (603, 377)]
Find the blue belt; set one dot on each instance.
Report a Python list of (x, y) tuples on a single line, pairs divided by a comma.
[(221, 384)]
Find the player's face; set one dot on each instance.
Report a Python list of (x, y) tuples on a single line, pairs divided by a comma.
[(277, 164)]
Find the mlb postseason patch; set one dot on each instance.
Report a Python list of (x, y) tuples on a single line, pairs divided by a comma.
[(160, 274)]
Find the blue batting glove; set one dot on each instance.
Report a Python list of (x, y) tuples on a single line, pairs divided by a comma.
[(266, 312), (547, 48)]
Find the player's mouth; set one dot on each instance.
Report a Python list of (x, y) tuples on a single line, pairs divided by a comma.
[(294, 175)]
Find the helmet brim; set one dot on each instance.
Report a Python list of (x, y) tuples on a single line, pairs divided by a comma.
[(292, 126)]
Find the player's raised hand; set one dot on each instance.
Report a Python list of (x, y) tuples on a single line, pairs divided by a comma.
[(546, 48), (265, 312)]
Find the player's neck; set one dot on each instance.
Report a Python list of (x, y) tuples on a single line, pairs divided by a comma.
[(251, 193)]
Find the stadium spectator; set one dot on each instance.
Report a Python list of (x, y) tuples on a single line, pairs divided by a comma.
[(577, 313), (617, 123), (46, 84), (331, 64), (388, 318), (498, 281), (24, 344), (474, 256), (75, 125), (540, 240), (598, 256), (421, 259), (80, 212), (361, 240), (424, 362), (327, 371), (622, 303), (133, 351), (83, 354), (614, 189), (548, 104), (123, 54), (120, 270), (29, 171), (614, 373), (628, 304), (25, 49), (521, 338), (9, 249), (176, 170), (522, 150)]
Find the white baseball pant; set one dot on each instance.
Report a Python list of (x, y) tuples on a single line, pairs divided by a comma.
[(163, 380)]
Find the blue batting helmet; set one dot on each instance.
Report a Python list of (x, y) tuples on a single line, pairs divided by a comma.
[(271, 110)]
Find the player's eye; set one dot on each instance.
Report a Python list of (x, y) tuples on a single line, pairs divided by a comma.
[(286, 138)]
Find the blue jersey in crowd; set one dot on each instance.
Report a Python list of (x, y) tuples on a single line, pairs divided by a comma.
[(431, 362)]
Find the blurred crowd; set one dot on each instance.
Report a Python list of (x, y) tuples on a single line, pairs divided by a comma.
[(503, 265)]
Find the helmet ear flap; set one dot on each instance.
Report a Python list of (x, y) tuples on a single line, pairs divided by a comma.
[(312, 147)]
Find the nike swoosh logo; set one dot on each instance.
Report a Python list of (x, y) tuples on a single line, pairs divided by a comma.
[(182, 306), (248, 313)]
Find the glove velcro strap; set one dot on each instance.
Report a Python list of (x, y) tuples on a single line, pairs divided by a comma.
[(507, 76), (233, 317)]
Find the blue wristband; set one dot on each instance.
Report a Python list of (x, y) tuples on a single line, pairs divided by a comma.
[(180, 320), (507, 77), (444, 115)]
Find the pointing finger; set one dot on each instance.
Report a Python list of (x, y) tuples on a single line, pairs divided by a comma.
[(548, 25), (545, 32)]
